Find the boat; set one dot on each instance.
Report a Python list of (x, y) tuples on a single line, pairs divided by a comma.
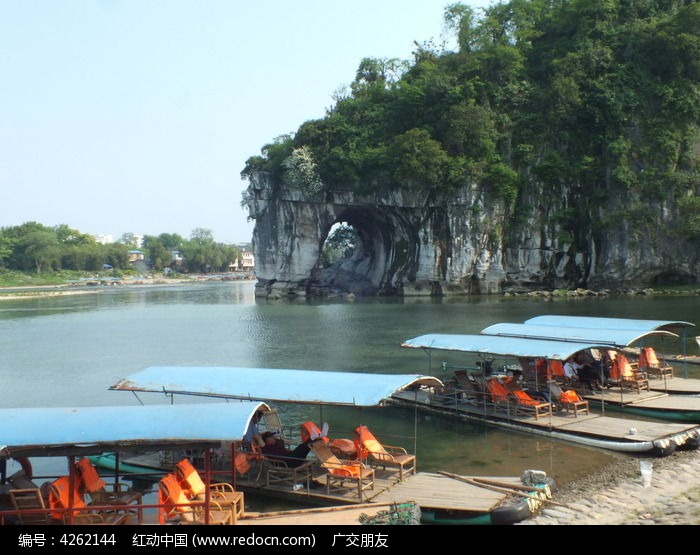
[(77, 432), (667, 398), (442, 498), (592, 429)]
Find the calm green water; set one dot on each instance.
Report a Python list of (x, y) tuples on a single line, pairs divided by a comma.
[(65, 351)]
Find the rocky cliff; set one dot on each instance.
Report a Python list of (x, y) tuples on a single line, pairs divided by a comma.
[(412, 244)]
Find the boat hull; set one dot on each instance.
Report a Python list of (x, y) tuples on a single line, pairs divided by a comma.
[(510, 514)]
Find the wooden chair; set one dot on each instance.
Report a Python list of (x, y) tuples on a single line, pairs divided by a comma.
[(281, 473), (339, 471), (30, 506), (516, 398), (101, 493), (626, 376), (69, 506), (649, 363), (195, 489), (568, 400), (384, 455), (556, 372), (176, 507), (469, 384)]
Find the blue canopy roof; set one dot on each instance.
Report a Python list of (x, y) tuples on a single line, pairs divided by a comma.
[(273, 384), (606, 323), (500, 345), (612, 337), (109, 428)]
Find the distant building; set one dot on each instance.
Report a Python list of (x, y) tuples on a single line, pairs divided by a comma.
[(104, 239), (135, 256), (247, 263), (248, 260)]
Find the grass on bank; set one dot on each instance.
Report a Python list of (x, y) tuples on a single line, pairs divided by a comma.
[(12, 278)]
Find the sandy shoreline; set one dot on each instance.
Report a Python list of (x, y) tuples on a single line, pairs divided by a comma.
[(39, 291)]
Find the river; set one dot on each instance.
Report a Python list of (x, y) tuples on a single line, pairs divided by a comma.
[(67, 351)]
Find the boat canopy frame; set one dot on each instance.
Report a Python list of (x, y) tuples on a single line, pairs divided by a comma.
[(65, 431), (281, 385), (614, 325)]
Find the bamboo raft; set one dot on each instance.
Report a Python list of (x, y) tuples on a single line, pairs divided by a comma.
[(593, 429), (437, 492)]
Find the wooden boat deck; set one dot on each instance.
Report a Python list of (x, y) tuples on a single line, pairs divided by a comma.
[(593, 425), (436, 491), (663, 402), (428, 490), (338, 515), (677, 385)]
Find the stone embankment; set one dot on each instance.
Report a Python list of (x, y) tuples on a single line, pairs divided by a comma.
[(617, 495)]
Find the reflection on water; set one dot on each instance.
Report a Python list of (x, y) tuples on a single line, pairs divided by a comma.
[(68, 350)]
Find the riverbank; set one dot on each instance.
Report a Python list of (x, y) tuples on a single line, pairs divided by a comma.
[(39, 291), (617, 495)]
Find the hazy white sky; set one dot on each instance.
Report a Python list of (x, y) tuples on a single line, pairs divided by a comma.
[(138, 115)]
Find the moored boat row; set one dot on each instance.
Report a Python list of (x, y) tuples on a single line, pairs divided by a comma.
[(344, 476)]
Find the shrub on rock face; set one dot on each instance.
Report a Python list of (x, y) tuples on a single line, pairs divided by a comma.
[(301, 171)]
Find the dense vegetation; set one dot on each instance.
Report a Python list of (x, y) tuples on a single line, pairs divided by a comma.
[(598, 98), (34, 247)]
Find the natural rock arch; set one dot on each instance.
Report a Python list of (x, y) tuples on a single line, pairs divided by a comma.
[(413, 243), (405, 243)]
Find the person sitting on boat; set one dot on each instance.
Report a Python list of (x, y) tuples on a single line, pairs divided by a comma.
[(584, 371), (274, 448), (571, 368), (252, 435), (602, 370)]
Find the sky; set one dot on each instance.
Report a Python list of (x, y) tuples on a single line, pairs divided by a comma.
[(137, 116)]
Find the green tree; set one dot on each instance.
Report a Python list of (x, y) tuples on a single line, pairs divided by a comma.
[(342, 239), (40, 251), (157, 253), (130, 240)]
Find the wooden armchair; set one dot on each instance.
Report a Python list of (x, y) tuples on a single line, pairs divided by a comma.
[(69, 506), (627, 376), (30, 506), (339, 471), (176, 507), (386, 456), (649, 363), (221, 492), (568, 400), (100, 493), (279, 473)]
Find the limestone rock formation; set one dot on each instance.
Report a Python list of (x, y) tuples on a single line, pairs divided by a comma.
[(415, 244)]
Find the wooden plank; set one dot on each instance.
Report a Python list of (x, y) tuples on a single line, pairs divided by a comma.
[(619, 429), (675, 385), (441, 492), (342, 515)]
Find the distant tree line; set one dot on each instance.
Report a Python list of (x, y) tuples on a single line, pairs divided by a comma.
[(34, 247)]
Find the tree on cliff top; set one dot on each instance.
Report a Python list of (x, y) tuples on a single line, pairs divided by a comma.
[(598, 98)]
